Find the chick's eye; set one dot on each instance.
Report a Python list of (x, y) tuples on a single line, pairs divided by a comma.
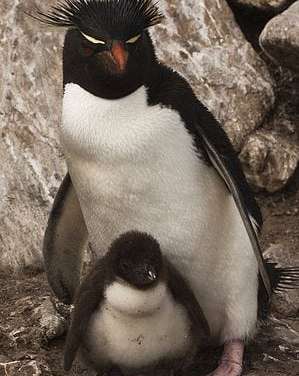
[(125, 265), (134, 39)]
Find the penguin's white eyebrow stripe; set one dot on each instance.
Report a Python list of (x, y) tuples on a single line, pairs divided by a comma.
[(133, 39), (92, 40)]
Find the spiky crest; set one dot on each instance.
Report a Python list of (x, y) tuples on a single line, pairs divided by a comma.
[(126, 16)]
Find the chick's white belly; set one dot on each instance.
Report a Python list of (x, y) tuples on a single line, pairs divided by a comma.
[(135, 342), (134, 167)]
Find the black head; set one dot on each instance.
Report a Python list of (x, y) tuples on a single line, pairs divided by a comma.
[(107, 49), (136, 258)]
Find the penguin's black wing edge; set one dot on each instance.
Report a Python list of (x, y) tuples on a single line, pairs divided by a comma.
[(183, 294), (224, 159), (88, 298)]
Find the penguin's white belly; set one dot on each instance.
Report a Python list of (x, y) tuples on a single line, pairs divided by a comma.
[(131, 340), (134, 166)]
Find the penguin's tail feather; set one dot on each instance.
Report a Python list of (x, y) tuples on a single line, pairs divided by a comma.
[(282, 279)]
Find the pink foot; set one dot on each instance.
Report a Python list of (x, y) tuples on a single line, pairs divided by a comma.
[(231, 360)]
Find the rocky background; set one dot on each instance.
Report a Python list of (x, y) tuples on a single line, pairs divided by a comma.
[(241, 57)]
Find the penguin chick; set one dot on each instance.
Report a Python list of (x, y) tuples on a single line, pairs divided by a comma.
[(134, 310)]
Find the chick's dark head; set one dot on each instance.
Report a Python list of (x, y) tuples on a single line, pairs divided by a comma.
[(136, 258)]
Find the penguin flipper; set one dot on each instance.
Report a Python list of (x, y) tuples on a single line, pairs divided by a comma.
[(225, 160), (88, 299), (64, 241), (183, 294)]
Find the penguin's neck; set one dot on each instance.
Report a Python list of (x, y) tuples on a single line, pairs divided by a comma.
[(109, 87), (128, 300), (106, 88)]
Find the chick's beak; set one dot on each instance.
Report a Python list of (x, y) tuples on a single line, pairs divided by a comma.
[(119, 54)]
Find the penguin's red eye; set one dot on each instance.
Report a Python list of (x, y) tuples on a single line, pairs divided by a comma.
[(87, 51)]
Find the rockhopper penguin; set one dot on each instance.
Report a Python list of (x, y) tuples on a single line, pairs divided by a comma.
[(144, 153), (134, 311)]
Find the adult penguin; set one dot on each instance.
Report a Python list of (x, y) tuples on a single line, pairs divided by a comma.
[(144, 153)]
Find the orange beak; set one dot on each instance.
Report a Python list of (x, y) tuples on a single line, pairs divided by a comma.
[(120, 55)]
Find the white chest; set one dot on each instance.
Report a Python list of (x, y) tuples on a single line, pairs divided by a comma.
[(135, 167), (112, 130), (146, 330)]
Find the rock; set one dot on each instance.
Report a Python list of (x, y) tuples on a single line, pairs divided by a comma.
[(31, 160), (286, 331), (24, 368), (52, 324), (278, 253), (280, 38), (269, 160), (264, 4), (202, 41)]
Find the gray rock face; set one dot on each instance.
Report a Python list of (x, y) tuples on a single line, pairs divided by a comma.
[(202, 41), (269, 160), (31, 163), (280, 38), (198, 38), (264, 4)]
